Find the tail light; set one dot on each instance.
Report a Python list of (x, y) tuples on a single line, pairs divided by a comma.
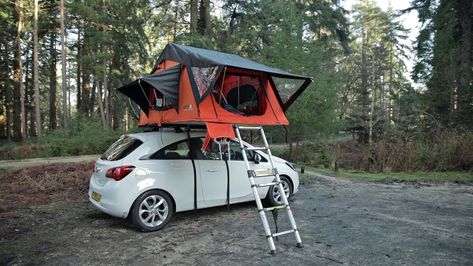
[(118, 173)]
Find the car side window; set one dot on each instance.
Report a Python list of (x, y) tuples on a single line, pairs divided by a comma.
[(236, 154), (175, 151), (212, 152)]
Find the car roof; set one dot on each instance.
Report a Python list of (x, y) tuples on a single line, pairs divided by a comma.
[(165, 136)]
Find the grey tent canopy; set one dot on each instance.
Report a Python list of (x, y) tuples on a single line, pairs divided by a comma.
[(198, 57), (164, 83)]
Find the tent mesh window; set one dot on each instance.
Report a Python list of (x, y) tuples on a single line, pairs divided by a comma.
[(286, 87), (203, 76), (243, 95)]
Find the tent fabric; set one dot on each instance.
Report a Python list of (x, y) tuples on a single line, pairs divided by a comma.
[(197, 57), (165, 82), (216, 131), (270, 111)]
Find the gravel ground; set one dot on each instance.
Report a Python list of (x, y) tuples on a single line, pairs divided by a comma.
[(341, 222)]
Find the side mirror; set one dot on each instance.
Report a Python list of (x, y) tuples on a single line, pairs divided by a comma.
[(257, 158)]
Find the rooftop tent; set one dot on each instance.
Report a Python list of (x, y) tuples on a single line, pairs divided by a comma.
[(190, 85)]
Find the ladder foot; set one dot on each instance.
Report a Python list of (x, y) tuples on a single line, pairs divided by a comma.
[(273, 252), (299, 245)]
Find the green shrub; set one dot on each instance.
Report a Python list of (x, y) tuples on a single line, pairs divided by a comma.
[(87, 137)]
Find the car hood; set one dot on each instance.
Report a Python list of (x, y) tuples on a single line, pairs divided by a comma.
[(275, 158)]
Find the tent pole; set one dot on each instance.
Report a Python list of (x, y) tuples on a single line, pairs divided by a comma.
[(228, 179), (146, 96), (238, 84), (285, 129), (221, 87)]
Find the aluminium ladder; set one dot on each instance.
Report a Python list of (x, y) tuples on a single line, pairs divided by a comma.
[(276, 182)]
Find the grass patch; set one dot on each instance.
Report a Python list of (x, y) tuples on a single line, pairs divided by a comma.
[(447, 176)]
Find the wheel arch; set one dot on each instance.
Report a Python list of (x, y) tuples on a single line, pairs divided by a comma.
[(151, 189)]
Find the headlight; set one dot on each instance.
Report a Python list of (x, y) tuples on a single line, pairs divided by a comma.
[(291, 165)]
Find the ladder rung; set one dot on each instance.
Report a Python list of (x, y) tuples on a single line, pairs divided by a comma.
[(256, 148), (267, 184), (265, 175), (274, 208), (283, 233), (249, 127), (262, 172)]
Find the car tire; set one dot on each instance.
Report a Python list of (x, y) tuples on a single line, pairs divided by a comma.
[(273, 197), (152, 210)]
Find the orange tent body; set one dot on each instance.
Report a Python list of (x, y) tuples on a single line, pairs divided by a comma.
[(268, 111)]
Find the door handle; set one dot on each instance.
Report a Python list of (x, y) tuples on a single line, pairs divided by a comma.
[(211, 170)]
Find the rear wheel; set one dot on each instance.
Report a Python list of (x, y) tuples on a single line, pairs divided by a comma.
[(274, 195), (152, 210)]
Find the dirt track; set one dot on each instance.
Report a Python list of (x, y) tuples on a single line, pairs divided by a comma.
[(341, 223), (16, 164)]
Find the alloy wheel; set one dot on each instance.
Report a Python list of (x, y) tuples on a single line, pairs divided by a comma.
[(277, 194), (153, 210)]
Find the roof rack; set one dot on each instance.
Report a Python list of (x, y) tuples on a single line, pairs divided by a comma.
[(177, 127)]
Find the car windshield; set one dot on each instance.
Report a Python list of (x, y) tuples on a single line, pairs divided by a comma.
[(121, 148)]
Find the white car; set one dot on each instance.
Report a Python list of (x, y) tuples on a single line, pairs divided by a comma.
[(149, 176)]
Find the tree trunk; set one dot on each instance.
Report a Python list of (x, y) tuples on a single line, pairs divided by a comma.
[(52, 82), (85, 101), (465, 80), (65, 112), (204, 19), (194, 15), (19, 121), (4, 91), (99, 100), (126, 119), (105, 88), (365, 101), (79, 69), (8, 92), (371, 122), (92, 98), (108, 118), (35, 71), (175, 22), (29, 94)]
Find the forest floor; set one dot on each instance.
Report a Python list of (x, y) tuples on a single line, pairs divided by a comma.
[(341, 222)]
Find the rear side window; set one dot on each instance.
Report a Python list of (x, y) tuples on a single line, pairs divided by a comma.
[(121, 148), (175, 151)]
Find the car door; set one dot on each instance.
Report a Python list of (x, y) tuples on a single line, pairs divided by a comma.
[(240, 188), (172, 171), (212, 173)]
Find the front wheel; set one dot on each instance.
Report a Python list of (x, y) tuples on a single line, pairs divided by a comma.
[(152, 210), (274, 195)]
